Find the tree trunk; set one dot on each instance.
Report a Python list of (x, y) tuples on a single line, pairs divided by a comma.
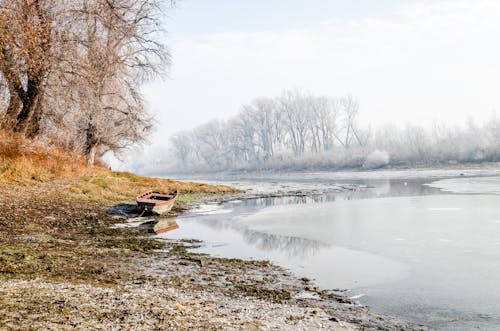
[(32, 127), (91, 143), (15, 106), (91, 156), (27, 121), (25, 109)]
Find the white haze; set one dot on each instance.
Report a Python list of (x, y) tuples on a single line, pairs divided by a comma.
[(423, 62), (298, 131)]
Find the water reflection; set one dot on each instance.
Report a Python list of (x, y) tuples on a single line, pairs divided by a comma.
[(288, 200), (291, 246), (357, 189), (297, 245), (165, 225), (391, 188)]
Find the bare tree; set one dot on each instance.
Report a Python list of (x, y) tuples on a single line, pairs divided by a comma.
[(261, 120), (211, 141), (181, 145), (324, 116), (349, 107), (86, 59), (26, 41), (296, 122), (118, 53)]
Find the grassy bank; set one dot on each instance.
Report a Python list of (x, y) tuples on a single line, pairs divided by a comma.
[(54, 220), (51, 228)]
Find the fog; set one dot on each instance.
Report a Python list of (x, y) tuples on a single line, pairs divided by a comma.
[(302, 131), (416, 68)]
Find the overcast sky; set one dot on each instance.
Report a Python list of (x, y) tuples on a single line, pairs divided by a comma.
[(407, 61)]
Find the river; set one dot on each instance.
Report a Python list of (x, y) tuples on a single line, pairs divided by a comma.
[(420, 245)]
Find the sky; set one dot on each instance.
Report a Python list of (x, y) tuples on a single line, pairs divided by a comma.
[(407, 61)]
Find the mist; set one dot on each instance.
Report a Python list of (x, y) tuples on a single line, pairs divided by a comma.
[(303, 131), (409, 64)]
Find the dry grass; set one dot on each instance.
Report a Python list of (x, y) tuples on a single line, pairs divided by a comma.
[(23, 161), (114, 187), (26, 162)]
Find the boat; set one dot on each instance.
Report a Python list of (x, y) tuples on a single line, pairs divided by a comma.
[(156, 202)]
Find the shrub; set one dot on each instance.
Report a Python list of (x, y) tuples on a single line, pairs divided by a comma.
[(376, 159)]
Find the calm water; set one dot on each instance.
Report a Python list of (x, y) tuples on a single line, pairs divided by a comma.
[(404, 248)]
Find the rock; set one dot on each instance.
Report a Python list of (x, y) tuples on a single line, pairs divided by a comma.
[(310, 288)]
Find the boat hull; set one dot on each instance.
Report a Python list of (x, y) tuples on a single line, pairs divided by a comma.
[(156, 203), (162, 209)]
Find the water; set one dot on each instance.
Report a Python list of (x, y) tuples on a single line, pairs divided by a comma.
[(419, 247)]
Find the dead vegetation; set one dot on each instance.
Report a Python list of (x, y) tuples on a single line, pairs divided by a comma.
[(115, 187), (23, 160)]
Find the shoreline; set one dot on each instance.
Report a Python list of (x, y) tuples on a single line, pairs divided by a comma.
[(272, 283), (474, 166), (64, 265)]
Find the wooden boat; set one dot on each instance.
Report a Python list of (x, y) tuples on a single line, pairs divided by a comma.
[(156, 202), (165, 225)]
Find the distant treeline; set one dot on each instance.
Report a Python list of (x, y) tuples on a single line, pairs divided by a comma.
[(303, 131)]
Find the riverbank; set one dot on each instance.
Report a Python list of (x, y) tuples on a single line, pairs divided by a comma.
[(64, 264)]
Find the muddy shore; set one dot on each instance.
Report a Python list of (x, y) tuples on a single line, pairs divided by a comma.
[(64, 264)]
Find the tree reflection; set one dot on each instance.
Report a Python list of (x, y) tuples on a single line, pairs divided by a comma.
[(298, 199), (292, 246), (241, 214)]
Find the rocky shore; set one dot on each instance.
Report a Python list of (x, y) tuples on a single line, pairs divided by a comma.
[(65, 264)]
